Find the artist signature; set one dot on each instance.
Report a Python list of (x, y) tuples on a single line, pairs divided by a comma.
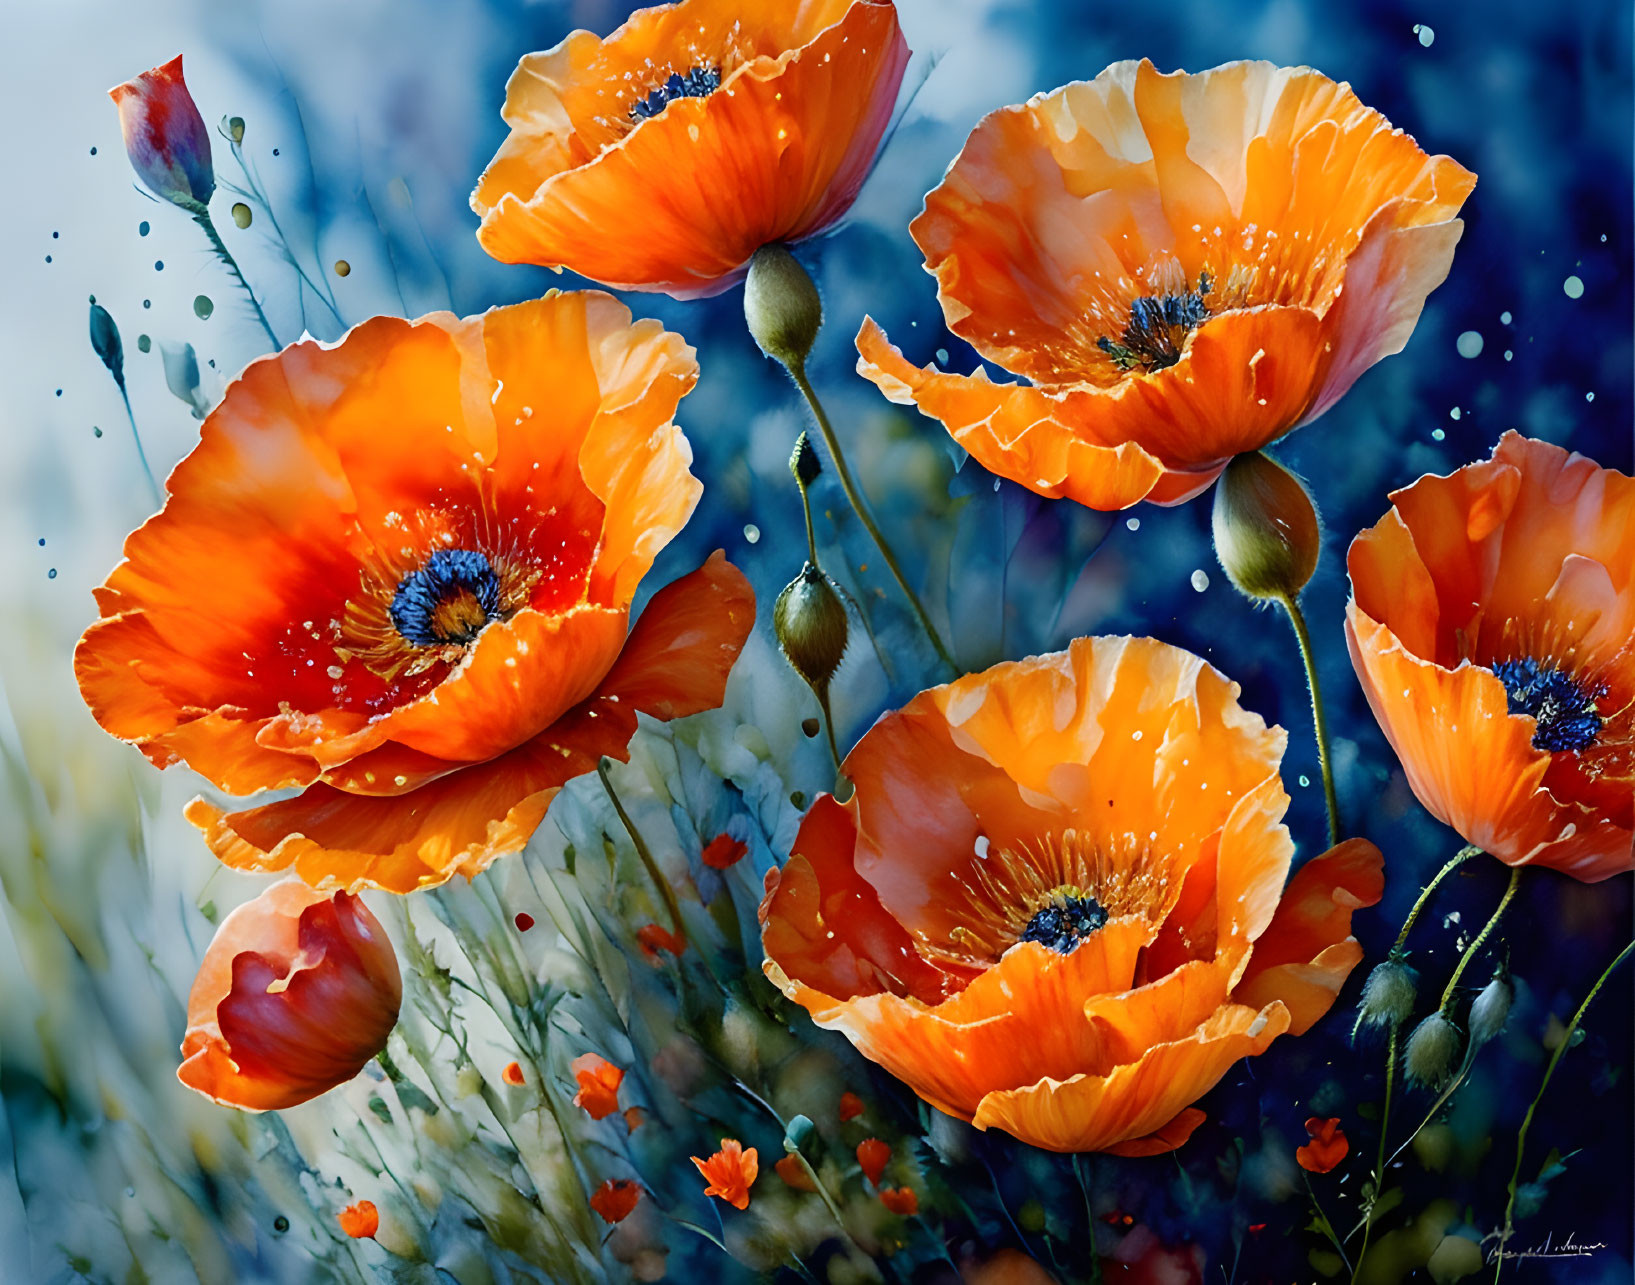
[(1568, 1248)]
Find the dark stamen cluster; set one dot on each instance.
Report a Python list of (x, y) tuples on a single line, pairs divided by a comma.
[(1563, 708), (700, 82), (1064, 923), (1158, 328), (421, 607)]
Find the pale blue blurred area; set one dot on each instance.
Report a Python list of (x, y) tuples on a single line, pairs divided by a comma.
[(382, 113)]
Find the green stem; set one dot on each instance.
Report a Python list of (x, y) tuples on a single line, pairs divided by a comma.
[(1328, 1227), (1458, 859), (203, 219), (829, 724), (1476, 945), (1291, 604), (653, 872), (136, 436), (1527, 1121), (1379, 1160), (797, 372)]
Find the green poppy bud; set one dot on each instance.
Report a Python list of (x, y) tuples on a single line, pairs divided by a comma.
[(106, 343), (804, 463), (1388, 994), (1267, 536), (810, 621), (1433, 1049), (1490, 1010), (782, 306)]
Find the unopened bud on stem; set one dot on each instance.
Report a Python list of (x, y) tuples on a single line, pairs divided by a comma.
[(810, 621), (804, 463), (1432, 1051), (1267, 536), (781, 306)]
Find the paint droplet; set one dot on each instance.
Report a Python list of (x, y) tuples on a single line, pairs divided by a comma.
[(203, 306), (55, 235), (1508, 355), (342, 268), (1304, 779), (93, 151), (1589, 397), (1469, 344), (158, 265), (1454, 413), (48, 258), (242, 214), (1504, 318), (42, 542), (144, 343), (524, 921), (59, 392), (1437, 434), (275, 151), (147, 303), (51, 574), (1133, 523), (143, 228), (1200, 579), (752, 533), (942, 356), (811, 727), (1425, 34), (1574, 288), (96, 431)]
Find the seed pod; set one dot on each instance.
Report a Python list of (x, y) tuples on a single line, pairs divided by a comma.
[(1267, 536), (810, 621)]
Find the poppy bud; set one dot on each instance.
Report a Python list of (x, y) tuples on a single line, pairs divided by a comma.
[(1491, 1009), (105, 341), (165, 137), (810, 621), (1267, 535), (297, 991), (804, 462), (1432, 1050), (1388, 994), (782, 306)]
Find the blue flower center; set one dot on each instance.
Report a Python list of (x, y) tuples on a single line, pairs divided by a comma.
[(1563, 707), (1158, 328), (447, 601), (1064, 923), (700, 82)]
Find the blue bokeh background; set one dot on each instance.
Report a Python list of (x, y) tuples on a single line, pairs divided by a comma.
[(369, 123)]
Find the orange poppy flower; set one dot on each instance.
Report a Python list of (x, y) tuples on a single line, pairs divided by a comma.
[(794, 1174), (723, 852), (359, 1221), (872, 1157), (851, 1106), (730, 1172), (297, 991), (1327, 1148), (599, 1082), (1186, 267), (616, 1199), (397, 571), (654, 939), (900, 1200), (1056, 902), (1492, 625), (664, 156)]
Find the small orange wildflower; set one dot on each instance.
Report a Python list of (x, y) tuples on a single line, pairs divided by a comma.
[(1328, 1146), (512, 1074), (403, 566), (794, 1174), (664, 156), (873, 1155), (723, 852), (297, 991), (1490, 625), (730, 1172), (615, 1199), (900, 1200), (634, 1118), (1180, 279), (654, 940), (851, 1106), (599, 1082), (1064, 898), (359, 1221)]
